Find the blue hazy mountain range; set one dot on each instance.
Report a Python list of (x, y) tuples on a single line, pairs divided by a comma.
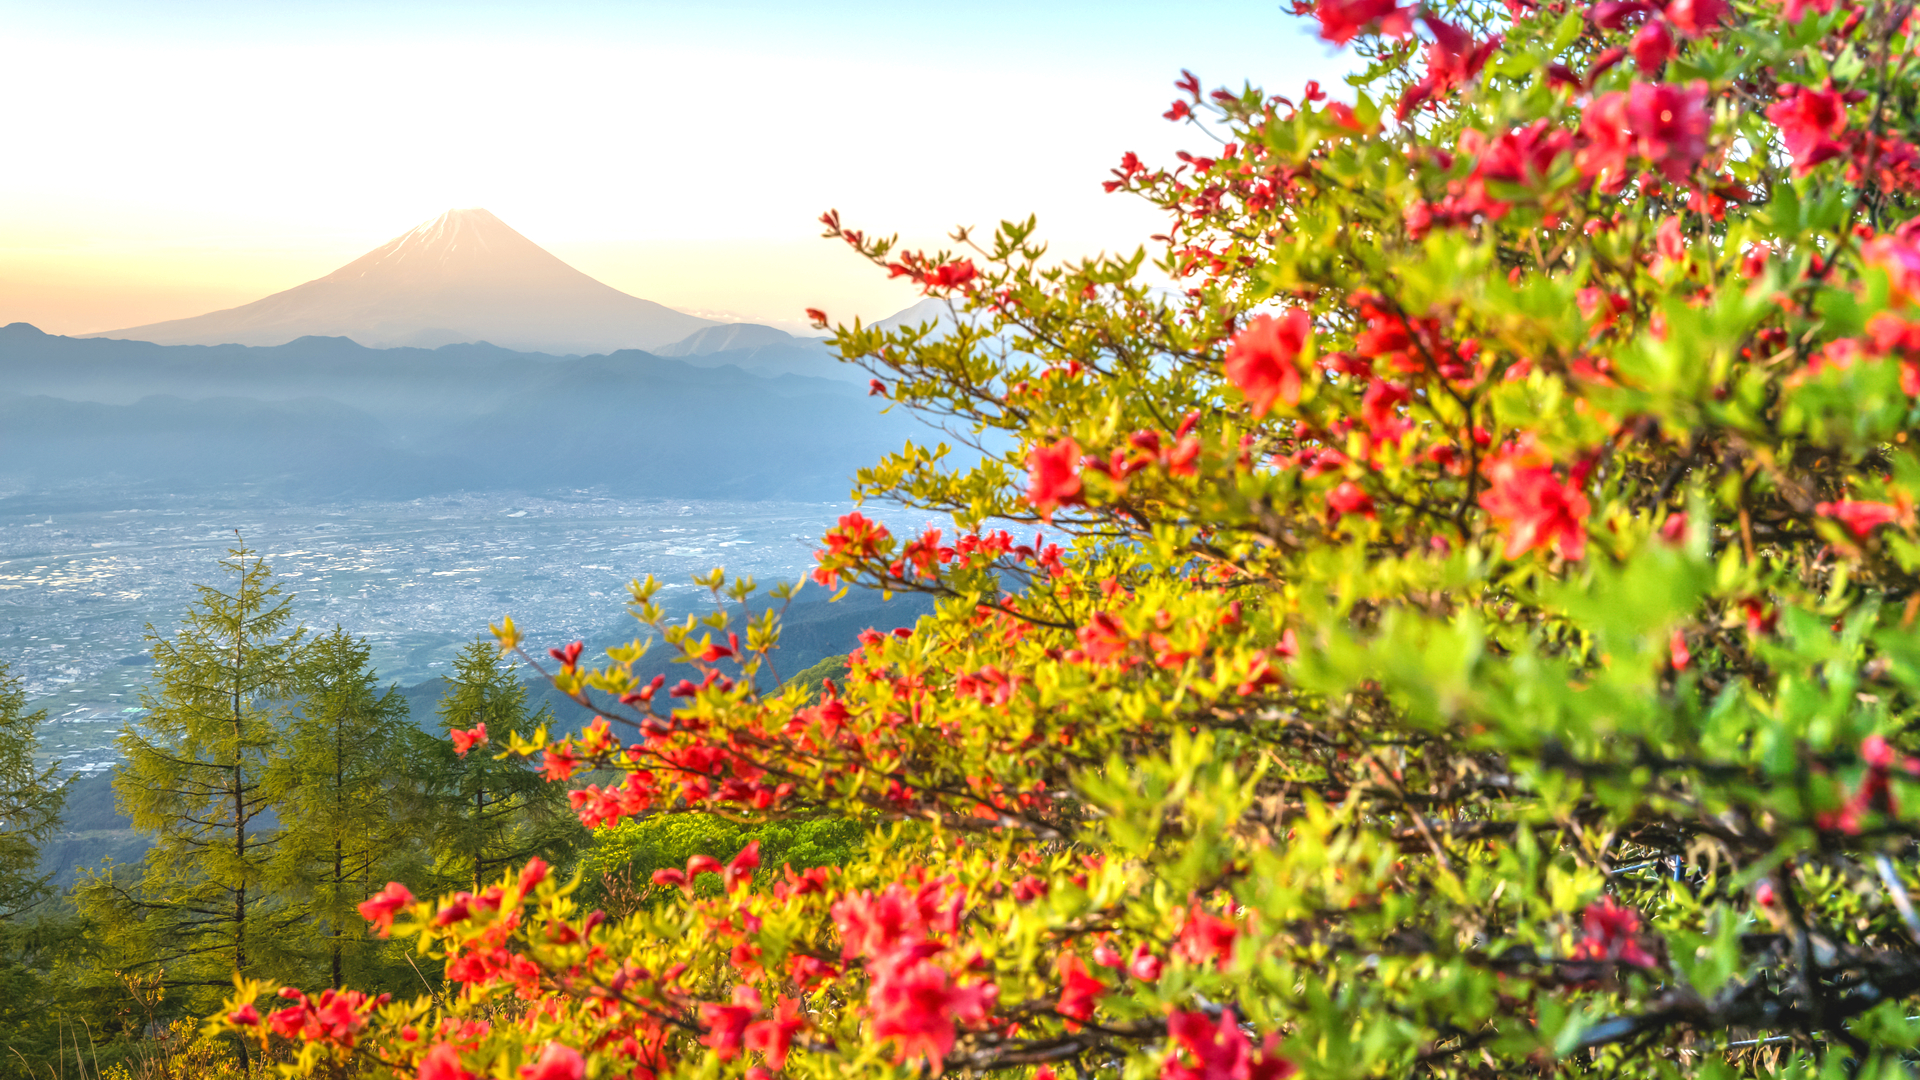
[(758, 418)]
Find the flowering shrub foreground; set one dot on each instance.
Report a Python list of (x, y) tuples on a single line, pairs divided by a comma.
[(1485, 646)]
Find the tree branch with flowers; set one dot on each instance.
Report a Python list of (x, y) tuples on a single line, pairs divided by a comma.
[(1478, 639)]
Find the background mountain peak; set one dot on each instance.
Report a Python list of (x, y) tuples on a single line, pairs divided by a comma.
[(726, 337), (465, 276), (471, 242)]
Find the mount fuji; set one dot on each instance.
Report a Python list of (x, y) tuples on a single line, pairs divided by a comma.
[(462, 277)]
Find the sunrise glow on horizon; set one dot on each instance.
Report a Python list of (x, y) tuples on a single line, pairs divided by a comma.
[(172, 164)]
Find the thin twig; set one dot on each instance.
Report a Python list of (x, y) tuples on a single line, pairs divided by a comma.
[(1898, 891)]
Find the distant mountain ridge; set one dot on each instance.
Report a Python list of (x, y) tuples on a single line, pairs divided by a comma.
[(324, 417), (463, 277), (727, 337)]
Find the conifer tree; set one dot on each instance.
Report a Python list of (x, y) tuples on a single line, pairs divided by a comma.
[(195, 778), (30, 802), (333, 783), (490, 813)]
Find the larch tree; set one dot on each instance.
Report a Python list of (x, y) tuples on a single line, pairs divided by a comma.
[(195, 777), (334, 782), (489, 812), (31, 798)]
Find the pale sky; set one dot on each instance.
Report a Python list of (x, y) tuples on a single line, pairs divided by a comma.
[(170, 159)]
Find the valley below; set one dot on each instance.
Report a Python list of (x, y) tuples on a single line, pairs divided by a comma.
[(417, 579)]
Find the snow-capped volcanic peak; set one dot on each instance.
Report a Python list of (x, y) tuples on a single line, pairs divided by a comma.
[(464, 276), (468, 243)]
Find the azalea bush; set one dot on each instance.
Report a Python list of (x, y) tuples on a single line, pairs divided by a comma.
[(1474, 631)]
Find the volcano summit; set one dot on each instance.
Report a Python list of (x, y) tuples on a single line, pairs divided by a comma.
[(464, 276)]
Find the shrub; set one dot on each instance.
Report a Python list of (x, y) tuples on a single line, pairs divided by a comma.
[(1484, 642)]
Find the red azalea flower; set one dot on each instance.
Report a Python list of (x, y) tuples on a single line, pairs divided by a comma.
[(1613, 14), (558, 764), (1652, 47), (1264, 359), (557, 1062), (1053, 476), (1606, 140), (1612, 932), (464, 741), (1342, 115), (1875, 751), (1535, 507), (1452, 59), (1860, 517), (856, 537), (1677, 650), (884, 924), (1379, 410), (442, 1062), (459, 909), (727, 1024), (1343, 20), (1670, 125), (1028, 889), (1695, 17), (1760, 620), (1520, 158), (1104, 638), (1349, 498), (380, 908), (740, 870), (1078, 990), (1205, 937), (1670, 242), (951, 276), (1797, 8), (1809, 121), (774, 1036), (532, 874), (917, 1005), (1220, 1050), (1602, 64), (1143, 965)]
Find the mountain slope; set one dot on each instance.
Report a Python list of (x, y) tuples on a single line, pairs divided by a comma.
[(727, 337), (463, 277), (761, 350)]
